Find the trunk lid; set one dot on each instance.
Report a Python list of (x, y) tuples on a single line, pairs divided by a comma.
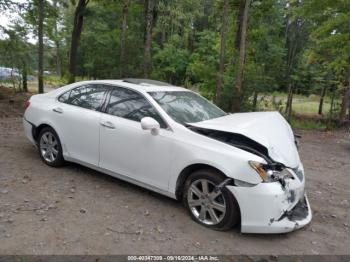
[(269, 129)]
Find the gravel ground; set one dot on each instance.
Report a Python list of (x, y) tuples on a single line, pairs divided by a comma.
[(76, 210)]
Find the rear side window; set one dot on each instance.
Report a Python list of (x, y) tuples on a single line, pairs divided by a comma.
[(89, 96), (131, 105)]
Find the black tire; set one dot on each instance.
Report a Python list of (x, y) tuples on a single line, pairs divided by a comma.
[(58, 160), (231, 216)]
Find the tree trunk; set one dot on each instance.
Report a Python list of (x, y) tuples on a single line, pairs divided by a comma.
[(294, 43), (13, 79), (345, 99), (239, 20), (291, 46), (330, 113), (77, 28), (149, 15), (40, 46), (221, 68), (162, 37), (242, 32), (24, 78), (192, 38), (58, 60), (289, 102), (57, 44), (255, 100), (331, 109), (320, 106), (123, 37)]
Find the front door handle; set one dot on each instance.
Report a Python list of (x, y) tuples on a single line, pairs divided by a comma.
[(108, 124), (58, 110)]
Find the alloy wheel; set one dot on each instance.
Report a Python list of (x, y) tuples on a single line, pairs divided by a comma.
[(207, 205), (49, 147)]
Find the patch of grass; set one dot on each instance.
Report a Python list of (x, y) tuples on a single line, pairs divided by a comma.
[(309, 107), (55, 81), (308, 124), (301, 104)]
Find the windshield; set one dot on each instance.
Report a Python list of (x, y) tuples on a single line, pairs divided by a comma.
[(186, 107)]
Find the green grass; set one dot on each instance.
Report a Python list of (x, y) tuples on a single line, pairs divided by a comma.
[(55, 81), (302, 105), (307, 124), (309, 107), (305, 110)]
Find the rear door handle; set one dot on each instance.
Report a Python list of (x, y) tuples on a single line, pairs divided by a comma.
[(58, 110), (108, 124)]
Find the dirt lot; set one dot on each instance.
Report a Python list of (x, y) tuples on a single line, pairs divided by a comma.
[(75, 210)]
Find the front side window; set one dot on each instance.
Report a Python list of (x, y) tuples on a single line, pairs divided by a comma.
[(186, 107), (64, 98), (89, 96), (131, 105)]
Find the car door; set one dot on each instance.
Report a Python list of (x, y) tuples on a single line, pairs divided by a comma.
[(128, 150), (76, 116)]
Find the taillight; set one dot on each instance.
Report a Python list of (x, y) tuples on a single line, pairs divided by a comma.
[(26, 104)]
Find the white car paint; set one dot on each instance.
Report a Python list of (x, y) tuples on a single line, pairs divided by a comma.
[(134, 151), (268, 128), (131, 151)]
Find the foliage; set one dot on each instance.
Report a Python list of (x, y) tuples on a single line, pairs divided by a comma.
[(298, 43), (201, 70), (171, 61)]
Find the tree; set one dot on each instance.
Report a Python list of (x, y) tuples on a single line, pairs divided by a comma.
[(40, 46), (346, 94), (17, 54), (149, 24), (330, 35), (123, 36), (265, 53), (221, 67), (242, 21), (34, 19), (235, 52), (55, 32), (202, 68), (76, 32), (171, 61), (296, 39)]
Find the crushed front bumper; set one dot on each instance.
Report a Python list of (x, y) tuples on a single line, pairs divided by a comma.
[(272, 208)]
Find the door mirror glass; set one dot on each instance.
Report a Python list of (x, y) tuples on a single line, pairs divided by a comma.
[(149, 123)]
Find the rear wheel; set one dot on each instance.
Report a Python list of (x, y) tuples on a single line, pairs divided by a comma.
[(50, 148), (214, 209)]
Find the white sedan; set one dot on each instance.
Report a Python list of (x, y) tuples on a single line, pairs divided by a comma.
[(228, 169)]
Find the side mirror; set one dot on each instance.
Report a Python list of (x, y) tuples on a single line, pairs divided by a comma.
[(149, 123)]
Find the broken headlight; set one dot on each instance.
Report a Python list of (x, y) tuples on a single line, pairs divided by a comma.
[(271, 173)]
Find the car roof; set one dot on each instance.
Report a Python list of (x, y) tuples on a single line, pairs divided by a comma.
[(145, 85), (140, 85)]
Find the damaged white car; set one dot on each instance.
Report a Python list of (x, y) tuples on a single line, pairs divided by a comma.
[(228, 169)]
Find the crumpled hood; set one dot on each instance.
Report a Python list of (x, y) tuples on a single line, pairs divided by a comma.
[(269, 129)]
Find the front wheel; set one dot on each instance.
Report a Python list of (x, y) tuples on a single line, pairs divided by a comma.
[(50, 148), (214, 209)]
